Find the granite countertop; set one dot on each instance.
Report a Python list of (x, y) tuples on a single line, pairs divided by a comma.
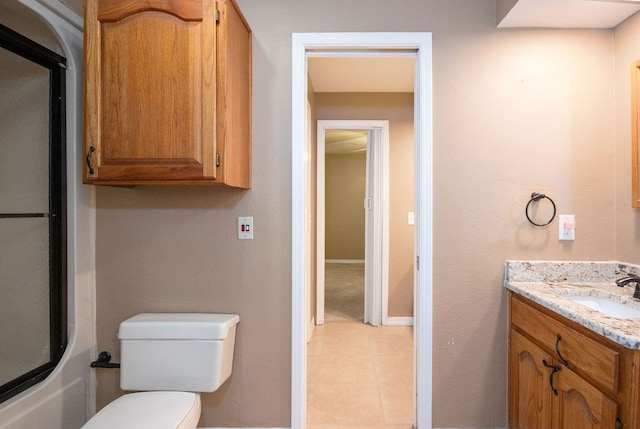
[(551, 283)]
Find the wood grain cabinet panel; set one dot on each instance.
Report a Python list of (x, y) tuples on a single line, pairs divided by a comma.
[(531, 402), (157, 74), (583, 355), (582, 381), (580, 405)]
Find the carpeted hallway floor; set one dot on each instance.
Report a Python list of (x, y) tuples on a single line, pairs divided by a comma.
[(344, 292)]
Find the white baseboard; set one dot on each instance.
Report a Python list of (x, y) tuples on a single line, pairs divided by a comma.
[(344, 261), (398, 321)]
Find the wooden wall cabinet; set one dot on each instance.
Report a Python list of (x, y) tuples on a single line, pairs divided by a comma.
[(167, 93), (563, 376), (635, 134)]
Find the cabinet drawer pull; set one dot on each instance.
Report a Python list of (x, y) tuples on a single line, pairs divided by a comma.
[(564, 361), (554, 369), (91, 150)]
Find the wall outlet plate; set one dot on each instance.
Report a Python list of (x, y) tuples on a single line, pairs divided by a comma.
[(566, 227)]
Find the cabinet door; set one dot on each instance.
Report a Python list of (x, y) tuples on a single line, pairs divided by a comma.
[(579, 405), (149, 90), (530, 393)]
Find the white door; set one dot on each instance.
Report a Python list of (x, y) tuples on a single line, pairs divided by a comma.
[(377, 226), (376, 206)]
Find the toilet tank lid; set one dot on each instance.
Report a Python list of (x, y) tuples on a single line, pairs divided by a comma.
[(177, 326)]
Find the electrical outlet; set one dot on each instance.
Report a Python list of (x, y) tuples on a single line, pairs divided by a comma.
[(566, 227)]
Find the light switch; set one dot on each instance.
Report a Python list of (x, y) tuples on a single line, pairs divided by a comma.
[(245, 228), (411, 218)]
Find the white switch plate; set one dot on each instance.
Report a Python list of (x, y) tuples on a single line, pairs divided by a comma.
[(566, 227), (245, 228), (411, 218)]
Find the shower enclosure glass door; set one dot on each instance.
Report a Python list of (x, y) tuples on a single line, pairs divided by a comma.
[(32, 212)]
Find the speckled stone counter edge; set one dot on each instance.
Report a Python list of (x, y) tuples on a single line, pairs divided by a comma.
[(549, 283), (567, 271)]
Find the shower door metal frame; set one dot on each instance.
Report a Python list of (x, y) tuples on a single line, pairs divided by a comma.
[(57, 214)]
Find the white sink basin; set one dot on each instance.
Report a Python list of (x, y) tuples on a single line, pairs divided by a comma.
[(607, 306)]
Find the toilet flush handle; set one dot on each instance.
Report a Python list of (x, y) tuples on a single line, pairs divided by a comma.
[(104, 361)]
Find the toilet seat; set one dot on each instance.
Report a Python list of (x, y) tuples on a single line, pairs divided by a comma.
[(149, 410)]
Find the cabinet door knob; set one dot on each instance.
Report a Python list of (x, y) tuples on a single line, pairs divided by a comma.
[(564, 361), (91, 150)]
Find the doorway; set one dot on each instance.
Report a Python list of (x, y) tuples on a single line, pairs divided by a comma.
[(373, 242), (420, 44)]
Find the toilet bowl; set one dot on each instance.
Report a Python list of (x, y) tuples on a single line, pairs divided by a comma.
[(168, 358)]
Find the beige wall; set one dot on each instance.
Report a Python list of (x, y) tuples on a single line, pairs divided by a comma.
[(398, 109), (515, 111), (627, 51), (345, 188)]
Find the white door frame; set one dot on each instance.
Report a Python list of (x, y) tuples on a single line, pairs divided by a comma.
[(377, 237), (423, 287)]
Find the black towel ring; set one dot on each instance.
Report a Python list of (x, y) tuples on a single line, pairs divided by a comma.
[(537, 197)]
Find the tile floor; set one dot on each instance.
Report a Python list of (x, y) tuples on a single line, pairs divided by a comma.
[(360, 377)]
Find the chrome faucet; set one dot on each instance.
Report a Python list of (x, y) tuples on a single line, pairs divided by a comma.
[(622, 282)]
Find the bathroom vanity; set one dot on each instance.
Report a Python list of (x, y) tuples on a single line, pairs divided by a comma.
[(572, 366)]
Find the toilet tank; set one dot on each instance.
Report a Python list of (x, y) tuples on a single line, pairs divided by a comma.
[(190, 352)]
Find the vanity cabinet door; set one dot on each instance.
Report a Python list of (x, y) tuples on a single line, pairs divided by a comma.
[(542, 398), (530, 394), (579, 405)]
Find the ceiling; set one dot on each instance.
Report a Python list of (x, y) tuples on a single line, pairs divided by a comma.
[(345, 141), (362, 73), (569, 13)]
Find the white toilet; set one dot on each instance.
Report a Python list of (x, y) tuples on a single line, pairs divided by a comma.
[(168, 358)]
